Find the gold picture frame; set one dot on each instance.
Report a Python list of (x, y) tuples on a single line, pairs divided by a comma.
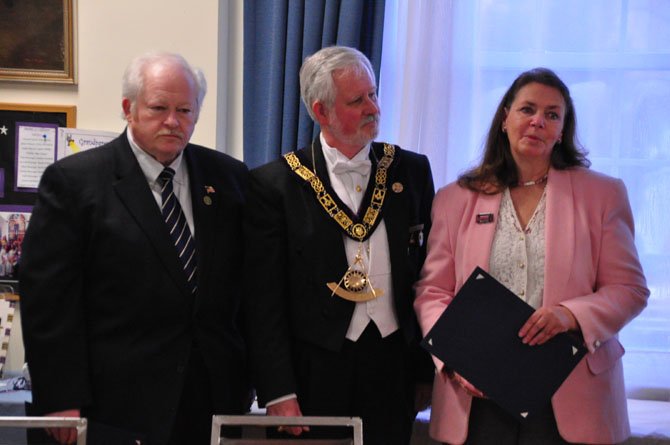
[(38, 41), (51, 113)]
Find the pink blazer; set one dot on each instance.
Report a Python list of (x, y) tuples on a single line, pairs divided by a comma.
[(591, 268)]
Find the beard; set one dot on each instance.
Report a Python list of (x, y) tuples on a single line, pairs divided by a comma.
[(363, 135)]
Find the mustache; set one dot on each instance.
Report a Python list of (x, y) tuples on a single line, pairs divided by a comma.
[(171, 133), (371, 118)]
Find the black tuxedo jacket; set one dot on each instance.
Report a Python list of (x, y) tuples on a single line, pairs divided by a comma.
[(108, 321), (293, 248)]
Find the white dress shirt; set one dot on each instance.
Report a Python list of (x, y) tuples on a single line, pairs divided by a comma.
[(350, 187), (180, 183)]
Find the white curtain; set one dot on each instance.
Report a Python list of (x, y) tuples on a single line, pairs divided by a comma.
[(446, 64)]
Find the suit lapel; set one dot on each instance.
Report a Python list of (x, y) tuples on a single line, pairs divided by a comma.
[(480, 234), (205, 202), (395, 214), (559, 235), (332, 238), (329, 237), (133, 191)]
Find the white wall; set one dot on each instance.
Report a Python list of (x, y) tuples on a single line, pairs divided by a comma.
[(231, 63), (109, 35)]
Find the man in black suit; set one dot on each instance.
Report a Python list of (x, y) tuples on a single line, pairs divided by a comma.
[(334, 242), (120, 325)]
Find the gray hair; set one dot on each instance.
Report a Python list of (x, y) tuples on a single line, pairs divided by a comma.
[(133, 77), (316, 73)]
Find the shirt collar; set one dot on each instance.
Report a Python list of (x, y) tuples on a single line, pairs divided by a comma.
[(333, 155), (151, 167)]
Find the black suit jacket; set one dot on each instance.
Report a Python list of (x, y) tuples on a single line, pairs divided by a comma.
[(108, 321), (294, 248)]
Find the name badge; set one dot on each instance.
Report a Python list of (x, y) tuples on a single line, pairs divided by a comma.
[(484, 218)]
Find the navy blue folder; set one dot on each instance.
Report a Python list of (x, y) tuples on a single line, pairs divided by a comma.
[(477, 336)]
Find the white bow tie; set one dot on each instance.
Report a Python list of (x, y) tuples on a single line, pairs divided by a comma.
[(362, 167)]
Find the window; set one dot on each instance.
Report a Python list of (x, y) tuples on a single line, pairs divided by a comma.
[(446, 64)]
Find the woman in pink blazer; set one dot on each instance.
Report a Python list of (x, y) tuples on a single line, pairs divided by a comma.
[(558, 235)]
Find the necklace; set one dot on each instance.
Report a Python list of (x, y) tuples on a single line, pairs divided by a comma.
[(358, 230), (534, 182)]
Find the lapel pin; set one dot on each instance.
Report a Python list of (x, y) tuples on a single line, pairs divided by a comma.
[(484, 218), (207, 199), (397, 187)]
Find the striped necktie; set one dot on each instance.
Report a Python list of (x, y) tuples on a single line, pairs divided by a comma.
[(176, 222)]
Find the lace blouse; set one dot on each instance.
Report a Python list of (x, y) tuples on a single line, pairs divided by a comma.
[(517, 254)]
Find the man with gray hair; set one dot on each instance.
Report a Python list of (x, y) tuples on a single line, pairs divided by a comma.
[(334, 242), (130, 274)]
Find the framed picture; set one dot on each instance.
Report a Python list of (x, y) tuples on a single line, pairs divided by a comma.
[(28, 135), (37, 41)]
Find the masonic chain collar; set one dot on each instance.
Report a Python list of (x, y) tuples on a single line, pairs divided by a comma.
[(356, 230)]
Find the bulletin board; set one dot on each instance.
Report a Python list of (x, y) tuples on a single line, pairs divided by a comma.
[(16, 201), (10, 114)]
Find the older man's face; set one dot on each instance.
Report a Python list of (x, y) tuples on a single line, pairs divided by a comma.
[(163, 118), (353, 120)]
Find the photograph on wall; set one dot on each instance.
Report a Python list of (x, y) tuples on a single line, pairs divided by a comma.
[(37, 41), (13, 226)]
